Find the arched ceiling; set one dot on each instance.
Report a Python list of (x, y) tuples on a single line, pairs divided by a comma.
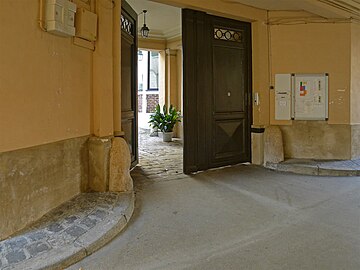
[(163, 21)]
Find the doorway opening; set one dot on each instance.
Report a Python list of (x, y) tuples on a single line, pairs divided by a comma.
[(148, 86), (202, 65), (157, 159)]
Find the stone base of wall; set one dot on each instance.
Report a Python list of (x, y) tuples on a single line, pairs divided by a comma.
[(355, 141), (35, 180), (109, 165), (318, 140), (273, 145), (99, 156), (257, 148)]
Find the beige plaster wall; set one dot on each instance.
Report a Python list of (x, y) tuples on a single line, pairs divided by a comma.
[(45, 81)]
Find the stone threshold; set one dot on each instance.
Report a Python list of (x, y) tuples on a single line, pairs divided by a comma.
[(68, 233), (317, 167)]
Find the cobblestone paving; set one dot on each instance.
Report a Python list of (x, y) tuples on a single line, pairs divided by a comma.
[(158, 161), (60, 228)]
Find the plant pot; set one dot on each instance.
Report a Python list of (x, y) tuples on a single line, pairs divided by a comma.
[(167, 136), (154, 132)]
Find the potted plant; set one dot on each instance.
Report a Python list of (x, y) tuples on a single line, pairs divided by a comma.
[(165, 121)]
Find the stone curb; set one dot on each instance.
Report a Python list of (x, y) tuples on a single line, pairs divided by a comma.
[(84, 245), (305, 169), (90, 247)]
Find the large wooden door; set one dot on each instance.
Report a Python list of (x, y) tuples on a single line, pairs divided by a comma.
[(129, 79), (217, 91), (231, 92)]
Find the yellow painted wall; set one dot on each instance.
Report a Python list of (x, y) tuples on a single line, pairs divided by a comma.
[(103, 72), (152, 44), (260, 73), (355, 73), (45, 81), (315, 48), (53, 90)]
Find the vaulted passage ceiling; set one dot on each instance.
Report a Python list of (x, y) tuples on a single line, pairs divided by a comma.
[(164, 21), (324, 8)]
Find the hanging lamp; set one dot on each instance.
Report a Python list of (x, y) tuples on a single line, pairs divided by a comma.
[(144, 30)]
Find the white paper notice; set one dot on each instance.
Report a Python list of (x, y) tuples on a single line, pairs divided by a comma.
[(310, 97)]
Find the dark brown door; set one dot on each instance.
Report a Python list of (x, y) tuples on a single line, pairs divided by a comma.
[(129, 79), (217, 91)]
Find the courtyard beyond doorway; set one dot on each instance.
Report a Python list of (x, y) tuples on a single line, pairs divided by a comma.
[(158, 160)]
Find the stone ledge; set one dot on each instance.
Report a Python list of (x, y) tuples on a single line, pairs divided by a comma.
[(317, 167), (69, 233)]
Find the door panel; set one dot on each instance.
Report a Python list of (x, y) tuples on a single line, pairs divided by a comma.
[(228, 79), (126, 74), (230, 139), (129, 79), (217, 80)]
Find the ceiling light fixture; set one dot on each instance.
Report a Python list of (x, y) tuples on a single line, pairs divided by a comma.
[(144, 30)]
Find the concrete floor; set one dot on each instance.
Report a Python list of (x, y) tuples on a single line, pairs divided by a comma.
[(244, 217)]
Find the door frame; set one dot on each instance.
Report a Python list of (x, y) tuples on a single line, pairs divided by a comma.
[(128, 11)]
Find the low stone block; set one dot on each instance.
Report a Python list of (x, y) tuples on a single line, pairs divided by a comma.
[(273, 145), (99, 163), (120, 161)]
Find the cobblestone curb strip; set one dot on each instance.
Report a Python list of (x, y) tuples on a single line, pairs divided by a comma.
[(320, 168), (69, 233)]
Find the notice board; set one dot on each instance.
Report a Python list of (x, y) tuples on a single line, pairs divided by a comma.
[(310, 96)]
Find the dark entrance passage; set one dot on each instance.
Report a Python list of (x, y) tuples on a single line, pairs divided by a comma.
[(217, 91)]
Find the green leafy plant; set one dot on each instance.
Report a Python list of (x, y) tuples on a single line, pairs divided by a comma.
[(166, 120)]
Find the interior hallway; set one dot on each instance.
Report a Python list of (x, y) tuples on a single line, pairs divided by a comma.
[(243, 217)]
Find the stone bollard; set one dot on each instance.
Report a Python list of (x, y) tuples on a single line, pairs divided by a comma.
[(120, 161), (273, 145)]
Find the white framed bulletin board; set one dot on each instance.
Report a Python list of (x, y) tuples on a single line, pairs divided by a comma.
[(310, 96)]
